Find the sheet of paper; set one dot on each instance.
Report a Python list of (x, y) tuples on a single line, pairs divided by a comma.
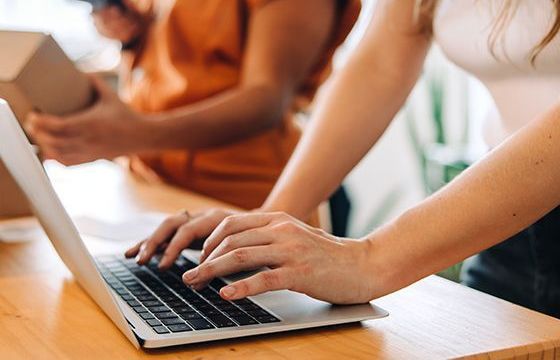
[(21, 230), (135, 228)]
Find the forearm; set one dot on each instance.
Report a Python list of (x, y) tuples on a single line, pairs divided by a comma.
[(222, 119), (351, 116), (515, 185)]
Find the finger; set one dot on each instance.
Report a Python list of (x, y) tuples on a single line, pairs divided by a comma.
[(244, 259), (54, 125), (268, 280), (133, 251), (234, 224), (196, 228), (161, 235), (252, 237), (59, 144)]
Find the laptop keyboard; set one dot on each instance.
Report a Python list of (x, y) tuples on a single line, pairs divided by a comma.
[(167, 305)]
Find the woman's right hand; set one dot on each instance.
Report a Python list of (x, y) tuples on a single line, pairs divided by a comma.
[(125, 24), (176, 233)]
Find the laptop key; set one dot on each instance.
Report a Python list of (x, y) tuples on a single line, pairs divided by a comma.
[(146, 316), (266, 319), (153, 322), (165, 315), (146, 297), (133, 303), (235, 312), (179, 328), (152, 303), (160, 329), (156, 309), (217, 284), (190, 316), (173, 321), (200, 324), (211, 312), (221, 321), (244, 320), (183, 309), (140, 309)]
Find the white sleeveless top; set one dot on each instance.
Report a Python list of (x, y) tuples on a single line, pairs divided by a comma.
[(521, 92)]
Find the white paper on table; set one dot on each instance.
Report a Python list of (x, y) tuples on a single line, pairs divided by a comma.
[(135, 228), (21, 230)]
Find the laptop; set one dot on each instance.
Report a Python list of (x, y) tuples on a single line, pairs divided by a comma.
[(155, 309)]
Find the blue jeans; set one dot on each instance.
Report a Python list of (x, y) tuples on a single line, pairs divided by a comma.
[(525, 269)]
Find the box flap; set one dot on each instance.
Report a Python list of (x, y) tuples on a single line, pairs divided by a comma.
[(18, 47)]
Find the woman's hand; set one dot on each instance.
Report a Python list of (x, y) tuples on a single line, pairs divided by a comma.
[(106, 130), (125, 24), (175, 234), (299, 258)]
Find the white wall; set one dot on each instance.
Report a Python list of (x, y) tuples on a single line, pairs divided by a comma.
[(388, 180)]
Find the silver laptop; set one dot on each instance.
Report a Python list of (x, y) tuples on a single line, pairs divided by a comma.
[(155, 309)]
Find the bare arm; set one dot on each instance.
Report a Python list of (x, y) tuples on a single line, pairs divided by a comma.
[(512, 187), (359, 104), (285, 40), (515, 185)]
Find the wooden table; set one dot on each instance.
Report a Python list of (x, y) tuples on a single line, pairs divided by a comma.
[(44, 314)]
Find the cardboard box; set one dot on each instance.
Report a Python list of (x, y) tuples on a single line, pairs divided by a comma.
[(35, 74)]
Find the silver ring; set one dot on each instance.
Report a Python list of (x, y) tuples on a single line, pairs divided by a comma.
[(185, 212)]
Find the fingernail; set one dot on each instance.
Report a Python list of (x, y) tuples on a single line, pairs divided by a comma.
[(137, 257), (191, 274), (141, 257), (228, 291)]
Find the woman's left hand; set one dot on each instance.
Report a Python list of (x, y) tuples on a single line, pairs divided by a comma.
[(107, 129), (299, 258)]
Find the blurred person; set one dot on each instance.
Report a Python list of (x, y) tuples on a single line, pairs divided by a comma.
[(210, 90)]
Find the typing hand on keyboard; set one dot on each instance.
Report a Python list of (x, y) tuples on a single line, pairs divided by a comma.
[(175, 234), (165, 303)]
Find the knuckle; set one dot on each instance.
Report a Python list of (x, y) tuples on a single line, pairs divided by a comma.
[(216, 213), (168, 222), (270, 279), (228, 223), (228, 243), (241, 256), (206, 270), (285, 226)]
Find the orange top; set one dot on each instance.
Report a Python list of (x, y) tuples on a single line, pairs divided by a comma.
[(182, 62)]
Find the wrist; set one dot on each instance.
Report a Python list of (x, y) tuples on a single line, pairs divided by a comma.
[(381, 273), (148, 133)]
